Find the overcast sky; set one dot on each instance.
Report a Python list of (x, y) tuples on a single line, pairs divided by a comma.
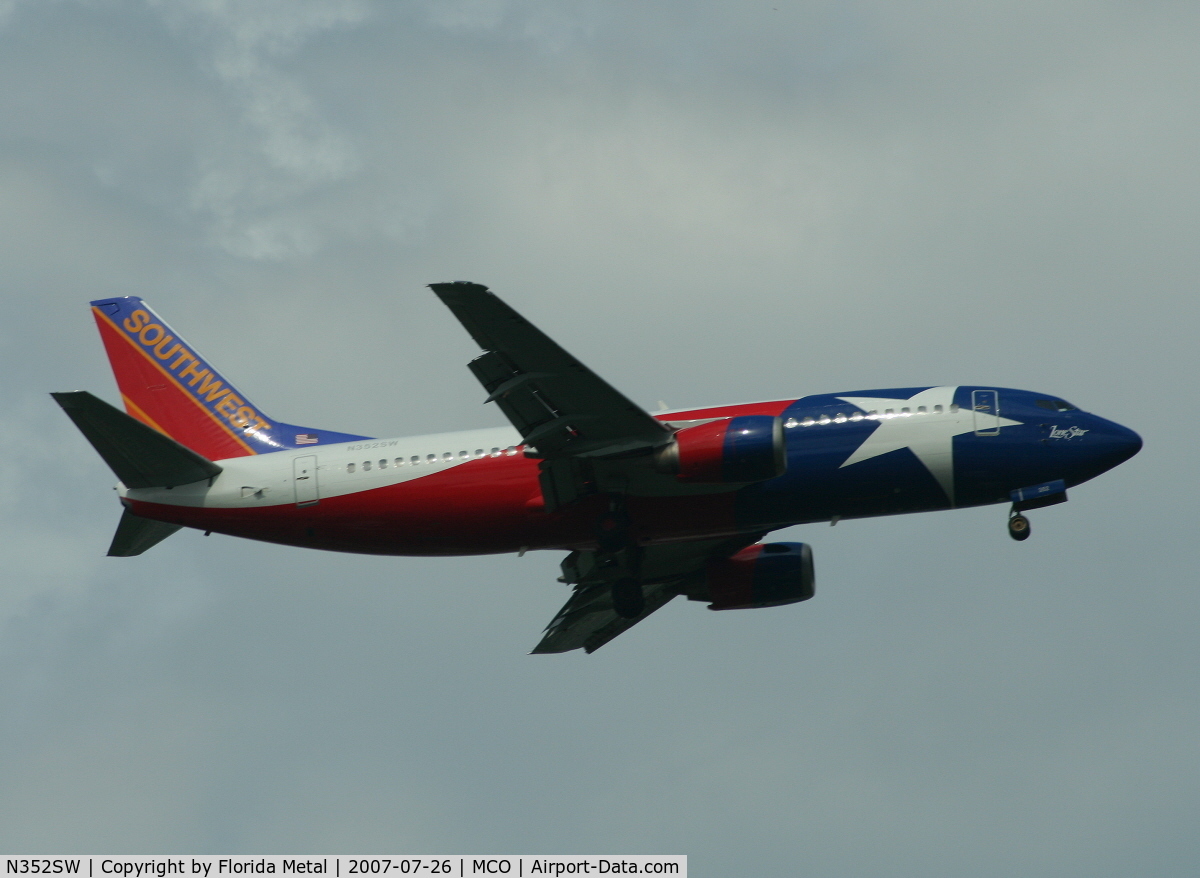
[(709, 202)]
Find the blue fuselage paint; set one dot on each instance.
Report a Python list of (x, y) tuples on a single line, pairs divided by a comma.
[(1036, 444)]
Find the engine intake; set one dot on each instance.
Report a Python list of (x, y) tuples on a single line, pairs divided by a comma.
[(762, 575), (749, 448)]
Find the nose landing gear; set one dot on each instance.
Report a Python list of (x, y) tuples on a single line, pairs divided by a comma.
[(1018, 526), (1033, 497)]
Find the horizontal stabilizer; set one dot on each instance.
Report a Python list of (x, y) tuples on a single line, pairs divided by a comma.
[(140, 456), (136, 534)]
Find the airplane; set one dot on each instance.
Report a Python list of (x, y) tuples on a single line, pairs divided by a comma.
[(648, 506)]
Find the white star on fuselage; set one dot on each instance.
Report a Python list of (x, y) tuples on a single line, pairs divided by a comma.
[(929, 434)]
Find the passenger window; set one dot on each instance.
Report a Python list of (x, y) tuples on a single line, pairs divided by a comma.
[(807, 422), (856, 416), (431, 458), (399, 461), (462, 455), (510, 450), (790, 422), (839, 418), (889, 413), (366, 466), (383, 464), (479, 452), (920, 410), (415, 459), (349, 467), (824, 419), (447, 456), (953, 407), (937, 409), (873, 413), (495, 452), (905, 411)]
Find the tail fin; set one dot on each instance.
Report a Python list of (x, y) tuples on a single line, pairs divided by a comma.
[(167, 385)]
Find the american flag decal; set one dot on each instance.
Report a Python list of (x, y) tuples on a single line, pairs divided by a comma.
[(307, 439)]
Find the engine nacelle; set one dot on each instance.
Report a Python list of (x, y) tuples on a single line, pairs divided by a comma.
[(749, 448), (762, 575)]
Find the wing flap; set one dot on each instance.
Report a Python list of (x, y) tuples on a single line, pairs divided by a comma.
[(593, 622), (588, 621)]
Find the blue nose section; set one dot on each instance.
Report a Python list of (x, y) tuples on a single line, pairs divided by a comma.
[(1114, 444), (1131, 443)]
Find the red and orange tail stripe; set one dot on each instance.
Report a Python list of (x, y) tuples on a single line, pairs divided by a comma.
[(164, 383)]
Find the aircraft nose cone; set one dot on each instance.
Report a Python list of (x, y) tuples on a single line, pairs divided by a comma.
[(1117, 444), (1132, 443)]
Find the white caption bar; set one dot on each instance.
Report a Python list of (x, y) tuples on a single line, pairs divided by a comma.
[(449, 865)]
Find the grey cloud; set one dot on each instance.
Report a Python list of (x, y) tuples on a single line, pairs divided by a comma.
[(288, 149)]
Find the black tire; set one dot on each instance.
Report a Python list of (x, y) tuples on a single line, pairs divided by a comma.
[(1018, 528), (628, 599)]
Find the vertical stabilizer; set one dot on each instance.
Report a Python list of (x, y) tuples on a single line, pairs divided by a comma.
[(167, 385)]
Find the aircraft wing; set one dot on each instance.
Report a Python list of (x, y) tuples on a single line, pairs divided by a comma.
[(591, 439), (588, 619), (559, 405)]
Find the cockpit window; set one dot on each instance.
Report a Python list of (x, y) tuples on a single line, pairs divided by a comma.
[(1056, 405)]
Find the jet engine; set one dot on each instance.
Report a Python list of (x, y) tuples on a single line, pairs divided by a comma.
[(762, 575), (749, 448)]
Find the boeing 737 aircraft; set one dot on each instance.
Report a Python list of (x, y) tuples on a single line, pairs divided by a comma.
[(648, 506)]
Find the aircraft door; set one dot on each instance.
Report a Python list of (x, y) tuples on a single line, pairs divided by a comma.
[(986, 405), (304, 475)]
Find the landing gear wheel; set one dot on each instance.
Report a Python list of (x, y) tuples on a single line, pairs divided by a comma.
[(1018, 527), (628, 599)]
